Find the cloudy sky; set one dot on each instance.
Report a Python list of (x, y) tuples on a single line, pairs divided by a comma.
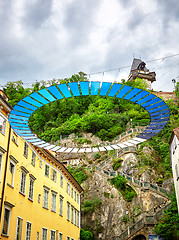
[(46, 39)]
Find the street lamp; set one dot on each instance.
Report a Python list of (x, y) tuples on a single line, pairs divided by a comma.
[(174, 81)]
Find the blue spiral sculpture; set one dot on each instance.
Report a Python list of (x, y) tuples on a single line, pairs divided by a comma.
[(155, 106)]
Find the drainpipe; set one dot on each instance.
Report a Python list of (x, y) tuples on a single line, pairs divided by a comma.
[(5, 173)]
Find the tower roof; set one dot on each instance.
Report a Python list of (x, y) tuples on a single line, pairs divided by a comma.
[(138, 64)]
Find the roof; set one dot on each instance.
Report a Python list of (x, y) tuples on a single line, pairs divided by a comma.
[(176, 133), (62, 167), (136, 63)]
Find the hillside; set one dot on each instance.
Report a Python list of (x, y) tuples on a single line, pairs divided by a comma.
[(109, 200)]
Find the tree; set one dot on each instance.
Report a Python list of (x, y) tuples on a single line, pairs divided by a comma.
[(85, 235), (168, 227), (15, 91)]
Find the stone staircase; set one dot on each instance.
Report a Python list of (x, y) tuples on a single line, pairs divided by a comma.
[(147, 220)]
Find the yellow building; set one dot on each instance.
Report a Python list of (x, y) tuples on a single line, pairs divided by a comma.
[(40, 199)]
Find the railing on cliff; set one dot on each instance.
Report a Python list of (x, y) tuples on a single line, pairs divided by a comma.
[(142, 185), (134, 131), (151, 219), (116, 155)]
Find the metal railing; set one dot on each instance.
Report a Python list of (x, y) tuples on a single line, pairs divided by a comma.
[(135, 182), (146, 220)]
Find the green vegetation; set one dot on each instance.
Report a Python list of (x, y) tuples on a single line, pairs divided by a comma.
[(90, 205), (81, 141), (79, 173), (168, 227), (106, 194), (105, 117), (120, 183), (158, 157), (85, 235), (117, 163)]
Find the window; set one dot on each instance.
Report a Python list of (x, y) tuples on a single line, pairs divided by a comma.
[(39, 197), (75, 195), (37, 235), (68, 238), (78, 198), (47, 170), (68, 211), (75, 216), (54, 175), (23, 182), (44, 234), (61, 206), (33, 159), (40, 164), (19, 228), (11, 173), (53, 206), (0, 165), (31, 189), (46, 198), (68, 188), (2, 125), (25, 149), (61, 180), (60, 236), (15, 138), (52, 235), (71, 214), (28, 231), (78, 219), (176, 171), (72, 192), (6, 221)]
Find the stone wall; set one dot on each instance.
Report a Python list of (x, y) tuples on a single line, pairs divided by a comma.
[(166, 95)]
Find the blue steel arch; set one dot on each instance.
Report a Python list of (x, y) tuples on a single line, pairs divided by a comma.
[(156, 107)]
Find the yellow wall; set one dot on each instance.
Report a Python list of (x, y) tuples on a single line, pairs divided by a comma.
[(33, 211)]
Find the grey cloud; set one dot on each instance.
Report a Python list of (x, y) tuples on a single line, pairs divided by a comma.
[(36, 13), (80, 19), (136, 19)]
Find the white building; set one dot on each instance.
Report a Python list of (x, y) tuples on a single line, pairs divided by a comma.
[(174, 160)]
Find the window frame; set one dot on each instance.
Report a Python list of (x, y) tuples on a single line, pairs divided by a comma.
[(53, 203), (61, 180), (1, 160), (68, 211), (26, 234), (8, 221), (46, 230), (3, 125), (46, 202), (31, 189), (51, 234), (47, 170), (23, 182), (61, 206), (13, 174), (72, 212), (33, 159), (26, 149), (19, 227), (60, 236), (68, 188), (54, 175)]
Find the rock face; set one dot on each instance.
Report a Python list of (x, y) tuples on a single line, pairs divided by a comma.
[(115, 213)]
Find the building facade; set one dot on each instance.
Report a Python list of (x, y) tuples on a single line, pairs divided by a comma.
[(40, 199), (174, 160)]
